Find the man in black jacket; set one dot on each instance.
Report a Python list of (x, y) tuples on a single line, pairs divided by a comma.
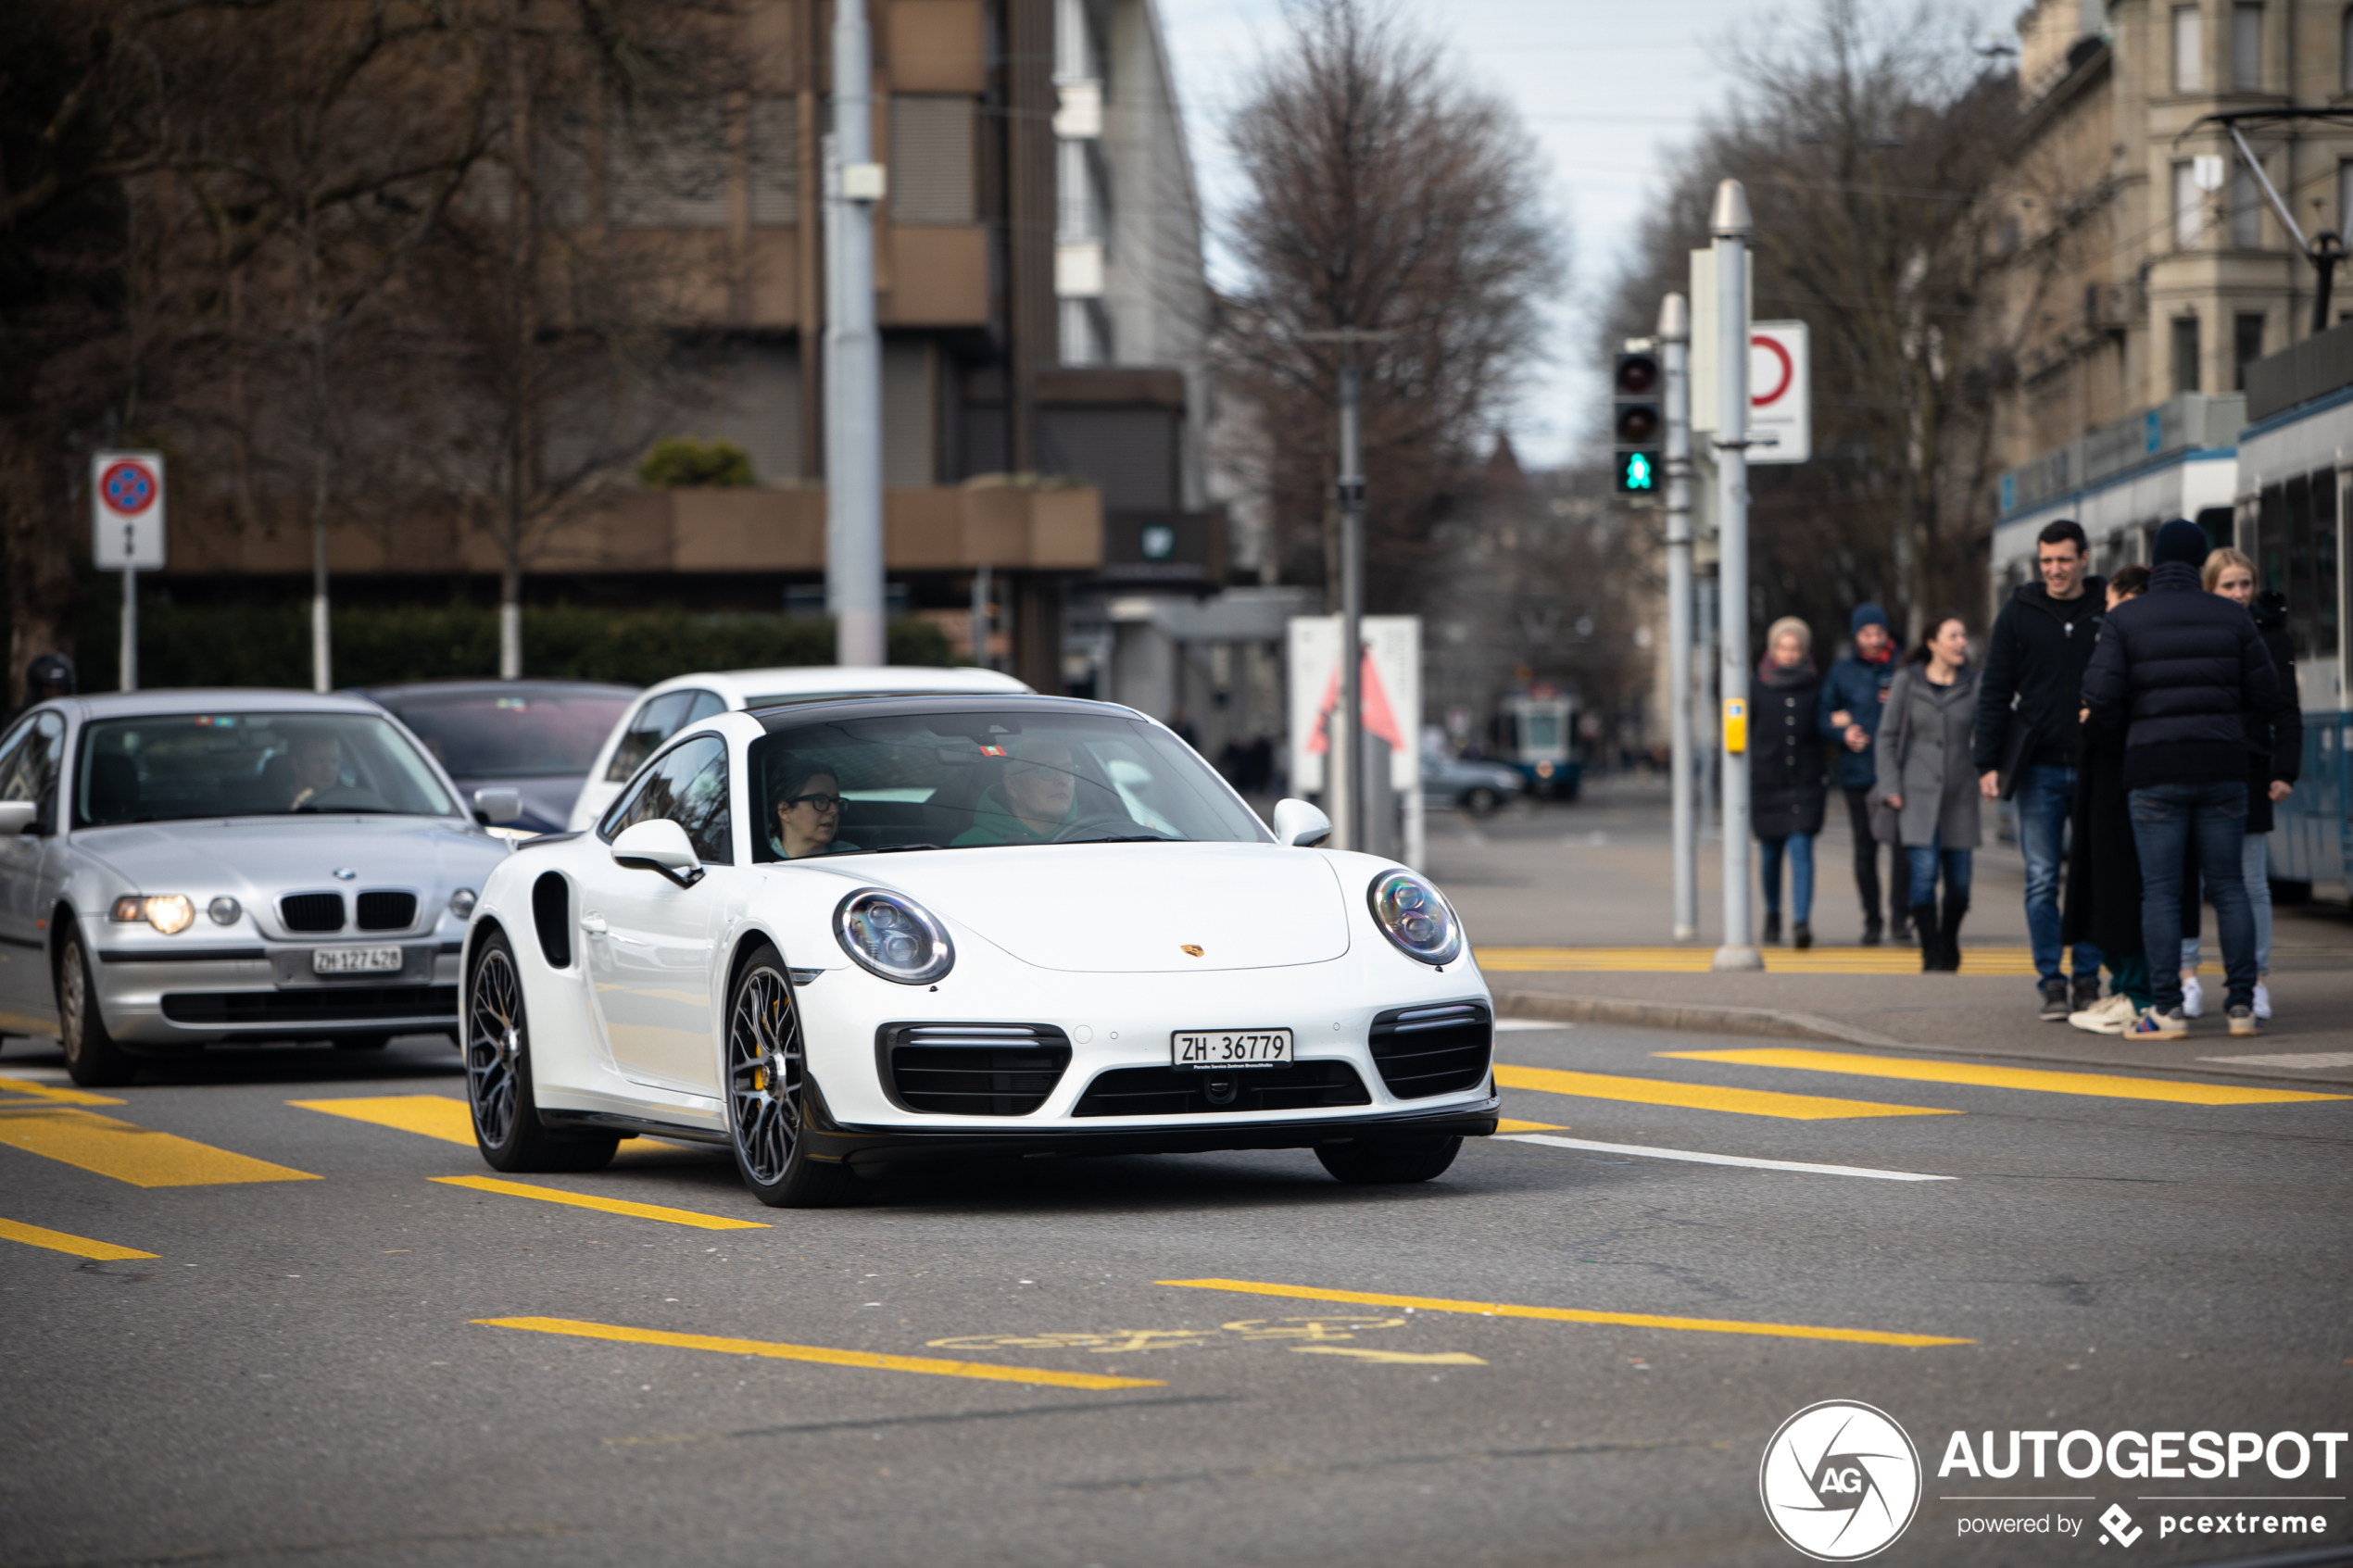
[(2180, 669), (2026, 728)]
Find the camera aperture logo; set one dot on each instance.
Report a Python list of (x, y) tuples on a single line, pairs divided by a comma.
[(1841, 1481)]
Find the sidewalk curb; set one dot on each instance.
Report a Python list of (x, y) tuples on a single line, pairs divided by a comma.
[(1694, 1018)]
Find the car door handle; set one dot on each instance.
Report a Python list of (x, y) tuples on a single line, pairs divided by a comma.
[(593, 925)]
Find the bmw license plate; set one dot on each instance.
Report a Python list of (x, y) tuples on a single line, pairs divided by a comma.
[(354, 960), (1231, 1048)]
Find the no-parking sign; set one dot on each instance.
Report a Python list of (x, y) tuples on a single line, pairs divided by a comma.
[(126, 511), (1780, 403)]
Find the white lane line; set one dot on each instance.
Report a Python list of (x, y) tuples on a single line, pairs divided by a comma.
[(1645, 1151), (2313, 1059)]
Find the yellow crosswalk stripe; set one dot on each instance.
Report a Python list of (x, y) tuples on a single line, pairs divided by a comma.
[(1701, 1096), (58, 1241), (990, 1372), (435, 1116), (55, 1094), (1505, 1124), (1566, 1314), (607, 1205), (129, 1153), (2101, 1085)]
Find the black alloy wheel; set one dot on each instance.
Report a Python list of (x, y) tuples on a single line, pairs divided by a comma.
[(1387, 1161), (1482, 800), (93, 1058), (506, 1114), (768, 1095)]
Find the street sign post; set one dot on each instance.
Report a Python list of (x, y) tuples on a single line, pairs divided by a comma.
[(126, 533), (1781, 400)]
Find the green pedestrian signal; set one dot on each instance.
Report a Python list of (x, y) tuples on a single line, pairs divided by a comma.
[(1637, 420), (1638, 472)]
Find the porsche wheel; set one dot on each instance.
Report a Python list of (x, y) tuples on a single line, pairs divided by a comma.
[(767, 1094), (506, 1115), (93, 1059), (1386, 1161)]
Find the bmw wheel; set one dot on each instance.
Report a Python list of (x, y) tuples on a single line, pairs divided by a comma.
[(506, 1114), (93, 1059), (768, 1095), (1382, 1161)]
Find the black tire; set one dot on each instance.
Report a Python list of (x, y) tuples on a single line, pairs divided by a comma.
[(93, 1059), (1382, 1163), (1482, 800), (768, 1095), (361, 1042), (506, 1114)]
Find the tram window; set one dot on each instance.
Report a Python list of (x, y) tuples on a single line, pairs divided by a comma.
[(2295, 555), (2320, 633)]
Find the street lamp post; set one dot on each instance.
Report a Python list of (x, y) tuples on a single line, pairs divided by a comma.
[(1732, 228)]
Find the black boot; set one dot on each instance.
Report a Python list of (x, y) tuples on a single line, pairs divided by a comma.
[(1801, 935), (1772, 925), (1924, 927), (1872, 928), (1948, 940)]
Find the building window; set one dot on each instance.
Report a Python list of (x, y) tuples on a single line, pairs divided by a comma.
[(2186, 353), (2247, 48), (2188, 219), (2345, 197), (2189, 75), (2246, 207), (2344, 51), (931, 159), (2246, 345)]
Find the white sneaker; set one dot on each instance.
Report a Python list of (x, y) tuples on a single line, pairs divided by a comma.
[(2262, 1000), (2192, 996), (2109, 1015)]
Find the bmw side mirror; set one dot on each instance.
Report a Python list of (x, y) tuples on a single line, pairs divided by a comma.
[(1297, 823), (16, 816), (658, 845), (493, 806)]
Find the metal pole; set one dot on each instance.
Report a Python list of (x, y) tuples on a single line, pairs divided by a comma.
[(853, 405), (1703, 699), (321, 651), (1349, 744), (129, 682), (1732, 227), (1675, 340), (980, 617)]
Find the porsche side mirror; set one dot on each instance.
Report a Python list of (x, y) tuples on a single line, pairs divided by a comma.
[(493, 806), (658, 845), (1299, 823), (16, 816)]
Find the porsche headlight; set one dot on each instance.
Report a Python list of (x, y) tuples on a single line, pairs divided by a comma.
[(1412, 914), (890, 934), (170, 913)]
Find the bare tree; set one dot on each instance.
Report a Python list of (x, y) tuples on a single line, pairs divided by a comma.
[(1385, 197)]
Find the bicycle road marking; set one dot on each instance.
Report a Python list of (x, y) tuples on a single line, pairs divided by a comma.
[(130, 1153), (1696, 1158), (606, 1205), (58, 1241), (1701, 1097), (2102, 1086)]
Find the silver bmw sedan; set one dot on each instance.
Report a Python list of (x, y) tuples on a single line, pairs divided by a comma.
[(181, 869)]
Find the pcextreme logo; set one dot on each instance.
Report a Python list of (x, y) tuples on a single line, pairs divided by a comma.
[(1840, 1480)]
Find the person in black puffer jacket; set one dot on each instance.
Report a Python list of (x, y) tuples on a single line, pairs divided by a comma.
[(1788, 780), (2180, 669)]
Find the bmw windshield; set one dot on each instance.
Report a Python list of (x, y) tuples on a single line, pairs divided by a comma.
[(172, 767)]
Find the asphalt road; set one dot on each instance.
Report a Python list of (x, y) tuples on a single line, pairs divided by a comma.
[(337, 1357)]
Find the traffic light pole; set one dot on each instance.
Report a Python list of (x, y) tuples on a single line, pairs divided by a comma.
[(1675, 341), (1732, 228)]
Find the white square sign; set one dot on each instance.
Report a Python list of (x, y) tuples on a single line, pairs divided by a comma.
[(126, 511), (1781, 400)]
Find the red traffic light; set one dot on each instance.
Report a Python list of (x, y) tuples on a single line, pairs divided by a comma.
[(1635, 375)]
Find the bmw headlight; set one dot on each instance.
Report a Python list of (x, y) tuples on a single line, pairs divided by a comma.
[(462, 903), (890, 934), (1412, 914), (170, 913)]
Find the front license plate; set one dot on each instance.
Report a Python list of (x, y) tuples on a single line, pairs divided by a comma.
[(354, 960), (1230, 1048)]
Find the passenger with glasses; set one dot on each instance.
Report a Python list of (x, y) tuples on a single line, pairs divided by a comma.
[(808, 812)]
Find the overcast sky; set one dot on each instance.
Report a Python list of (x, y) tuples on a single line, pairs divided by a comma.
[(1608, 90)]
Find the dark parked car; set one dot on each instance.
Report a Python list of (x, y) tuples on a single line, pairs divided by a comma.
[(536, 737)]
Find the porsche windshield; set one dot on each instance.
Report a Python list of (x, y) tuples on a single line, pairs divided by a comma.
[(174, 766), (954, 781)]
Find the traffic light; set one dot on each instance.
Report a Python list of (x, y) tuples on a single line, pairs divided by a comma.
[(1637, 423)]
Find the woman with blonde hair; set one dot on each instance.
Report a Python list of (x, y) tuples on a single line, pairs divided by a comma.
[(1789, 779)]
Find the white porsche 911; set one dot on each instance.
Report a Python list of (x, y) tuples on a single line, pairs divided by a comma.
[(842, 936)]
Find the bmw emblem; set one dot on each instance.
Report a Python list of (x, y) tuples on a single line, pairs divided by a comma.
[(345, 873)]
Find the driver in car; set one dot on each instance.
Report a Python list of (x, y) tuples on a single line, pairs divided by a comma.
[(808, 812), (315, 761), (1036, 801)]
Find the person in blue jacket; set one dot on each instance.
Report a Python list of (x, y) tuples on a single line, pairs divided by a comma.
[(1854, 696)]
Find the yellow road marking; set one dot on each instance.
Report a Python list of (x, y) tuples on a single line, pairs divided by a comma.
[(435, 1116), (1701, 1096), (58, 1241), (56, 1094), (1505, 1124), (2103, 1085), (608, 1205), (1393, 1358), (986, 1371), (129, 1153), (1566, 1314)]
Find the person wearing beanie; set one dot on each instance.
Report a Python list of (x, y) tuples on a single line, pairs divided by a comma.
[(1847, 714), (2027, 739), (1787, 782), (2178, 670)]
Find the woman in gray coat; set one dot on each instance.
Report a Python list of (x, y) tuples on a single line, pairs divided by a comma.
[(1926, 779)]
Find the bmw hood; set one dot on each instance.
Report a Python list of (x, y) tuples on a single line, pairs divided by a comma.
[(255, 860), (1131, 907)]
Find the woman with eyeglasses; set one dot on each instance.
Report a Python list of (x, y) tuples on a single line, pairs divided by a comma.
[(808, 812)]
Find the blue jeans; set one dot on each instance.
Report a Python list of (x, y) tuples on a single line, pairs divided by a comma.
[(1801, 874), (2164, 819), (1924, 860), (2255, 865), (2046, 799)]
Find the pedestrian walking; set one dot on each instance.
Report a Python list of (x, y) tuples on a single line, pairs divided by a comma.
[(2275, 758), (1926, 777), (2180, 669), (2103, 902), (1787, 783), (1854, 698), (2027, 735)]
